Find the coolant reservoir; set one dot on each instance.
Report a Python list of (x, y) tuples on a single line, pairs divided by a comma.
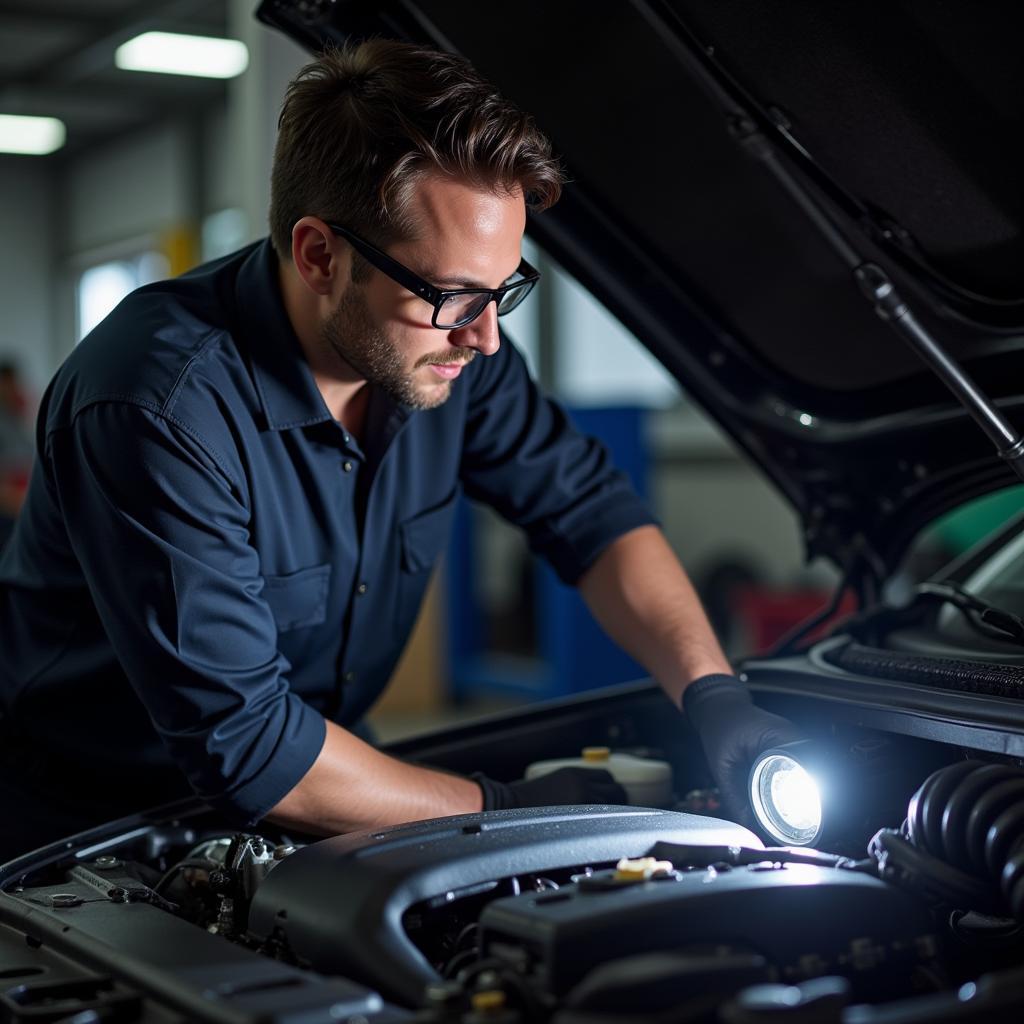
[(647, 782)]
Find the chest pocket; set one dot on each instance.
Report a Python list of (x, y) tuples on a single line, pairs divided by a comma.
[(425, 534), (298, 598)]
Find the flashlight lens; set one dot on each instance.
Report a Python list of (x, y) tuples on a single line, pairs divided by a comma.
[(786, 800)]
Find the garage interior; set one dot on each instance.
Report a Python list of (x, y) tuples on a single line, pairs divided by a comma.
[(874, 873), (160, 172)]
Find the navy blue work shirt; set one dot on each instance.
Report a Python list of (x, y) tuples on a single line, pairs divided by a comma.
[(208, 564)]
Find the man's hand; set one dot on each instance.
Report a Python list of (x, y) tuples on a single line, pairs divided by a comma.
[(562, 786), (733, 731)]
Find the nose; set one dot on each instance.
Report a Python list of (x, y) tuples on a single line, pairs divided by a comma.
[(481, 333)]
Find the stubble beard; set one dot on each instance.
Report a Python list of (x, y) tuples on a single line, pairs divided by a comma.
[(351, 333)]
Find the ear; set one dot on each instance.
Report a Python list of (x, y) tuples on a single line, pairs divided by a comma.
[(319, 258)]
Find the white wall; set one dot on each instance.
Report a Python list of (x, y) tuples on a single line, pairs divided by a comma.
[(597, 360), (26, 281), (130, 188), (220, 176), (254, 102)]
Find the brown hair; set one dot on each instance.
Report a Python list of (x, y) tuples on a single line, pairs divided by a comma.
[(363, 123)]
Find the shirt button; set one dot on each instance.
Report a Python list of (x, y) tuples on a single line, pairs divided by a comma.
[(347, 466), (347, 438), (362, 588), (350, 677)]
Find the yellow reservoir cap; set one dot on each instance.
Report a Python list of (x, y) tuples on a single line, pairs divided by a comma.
[(488, 1000), (596, 753), (641, 869)]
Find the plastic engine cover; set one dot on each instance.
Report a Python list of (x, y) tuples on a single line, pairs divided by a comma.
[(338, 904), (806, 920)]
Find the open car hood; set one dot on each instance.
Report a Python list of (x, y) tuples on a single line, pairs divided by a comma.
[(902, 126)]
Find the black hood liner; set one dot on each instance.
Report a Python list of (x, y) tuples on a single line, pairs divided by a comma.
[(916, 108), (910, 108)]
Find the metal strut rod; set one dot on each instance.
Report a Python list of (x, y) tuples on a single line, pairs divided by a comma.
[(877, 287), (873, 282)]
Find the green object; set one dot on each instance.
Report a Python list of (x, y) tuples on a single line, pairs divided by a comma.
[(962, 527)]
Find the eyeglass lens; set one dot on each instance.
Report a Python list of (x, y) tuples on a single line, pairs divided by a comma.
[(514, 296), (458, 310)]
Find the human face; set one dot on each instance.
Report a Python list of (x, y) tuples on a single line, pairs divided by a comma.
[(377, 357), (465, 237)]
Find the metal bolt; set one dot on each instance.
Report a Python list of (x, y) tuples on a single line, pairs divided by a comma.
[(444, 994), (106, 862), (488, 980), (65, 899)]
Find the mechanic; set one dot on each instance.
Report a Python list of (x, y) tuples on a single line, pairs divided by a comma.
[(244, 476)]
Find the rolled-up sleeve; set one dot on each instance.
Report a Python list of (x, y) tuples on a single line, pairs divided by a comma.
[(161, 529), (523, 455)]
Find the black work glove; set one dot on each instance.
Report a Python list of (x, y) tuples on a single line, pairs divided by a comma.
[(733, 731), (562, 786)]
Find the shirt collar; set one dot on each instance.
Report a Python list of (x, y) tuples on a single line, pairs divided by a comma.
[(284, 381)]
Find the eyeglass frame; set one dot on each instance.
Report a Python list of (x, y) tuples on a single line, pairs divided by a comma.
[(423, 289)]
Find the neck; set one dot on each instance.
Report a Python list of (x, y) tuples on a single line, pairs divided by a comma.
[(344, 392)]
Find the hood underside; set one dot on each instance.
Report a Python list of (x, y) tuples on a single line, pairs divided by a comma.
[(902, 124)]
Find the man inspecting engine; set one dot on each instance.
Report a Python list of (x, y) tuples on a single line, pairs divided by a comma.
[(244, 476)]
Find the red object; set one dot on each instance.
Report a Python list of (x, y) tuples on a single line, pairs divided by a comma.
[(767, 615)]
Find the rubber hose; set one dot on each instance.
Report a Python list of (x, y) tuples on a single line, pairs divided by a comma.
[(970, 815)]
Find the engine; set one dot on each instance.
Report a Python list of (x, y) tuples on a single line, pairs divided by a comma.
[(587, 915)]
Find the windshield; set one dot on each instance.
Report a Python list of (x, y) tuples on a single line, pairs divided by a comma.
[(1000, 580)]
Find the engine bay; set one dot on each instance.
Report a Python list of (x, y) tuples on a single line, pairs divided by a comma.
[(571, 915)]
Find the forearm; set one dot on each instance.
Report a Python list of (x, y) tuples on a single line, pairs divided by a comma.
[(644, 601), (353, 786)]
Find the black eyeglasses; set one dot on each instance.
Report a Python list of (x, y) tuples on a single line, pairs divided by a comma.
[(453, 307)]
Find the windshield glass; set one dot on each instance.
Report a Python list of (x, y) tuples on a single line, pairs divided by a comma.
[(1000, 580), (979, 547), (996, 520)]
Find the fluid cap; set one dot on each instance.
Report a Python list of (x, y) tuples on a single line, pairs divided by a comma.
[(641, 869), (595, 754), (488, 1001)]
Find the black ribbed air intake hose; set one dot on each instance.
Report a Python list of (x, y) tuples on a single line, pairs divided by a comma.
[(963, 839)]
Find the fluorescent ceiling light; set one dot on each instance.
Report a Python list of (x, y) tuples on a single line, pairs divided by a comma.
[(35, 136), (175, 54)]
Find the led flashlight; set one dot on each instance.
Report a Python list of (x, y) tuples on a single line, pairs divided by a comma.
[(786, 794)]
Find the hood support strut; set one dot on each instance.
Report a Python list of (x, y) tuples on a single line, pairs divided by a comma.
[(878, 288), (749, 126)]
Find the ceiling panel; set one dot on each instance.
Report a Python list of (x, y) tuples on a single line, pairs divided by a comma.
[(57, 59), (87, 10), (26, 42)]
